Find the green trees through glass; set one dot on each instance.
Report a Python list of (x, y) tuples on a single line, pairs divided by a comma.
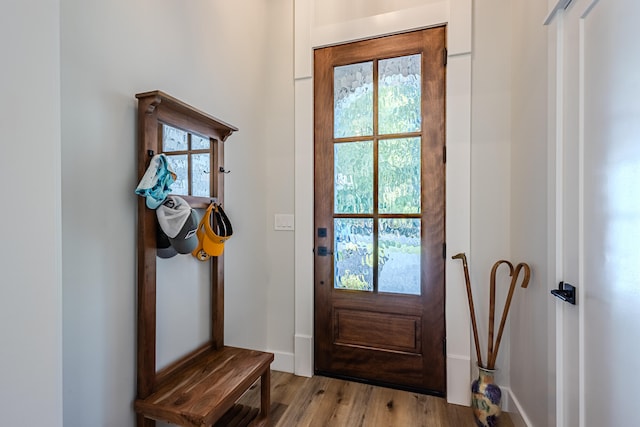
[(399, 255), (353, 264), (399, 95), (353, 180), (399, 175), (353, 100), (398, 172)]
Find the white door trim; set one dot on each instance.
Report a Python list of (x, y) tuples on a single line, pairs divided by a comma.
[(581, 279), (559, 213), (584, 281), (556, 188), (560, 6)]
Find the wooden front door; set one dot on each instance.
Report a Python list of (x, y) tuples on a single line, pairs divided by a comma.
[(379, 210)]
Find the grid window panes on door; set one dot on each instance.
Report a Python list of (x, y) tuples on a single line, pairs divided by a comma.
[(189, 156), (377, 175)]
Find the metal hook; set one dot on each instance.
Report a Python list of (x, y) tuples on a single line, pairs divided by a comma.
[(150, 153), (222, 170)]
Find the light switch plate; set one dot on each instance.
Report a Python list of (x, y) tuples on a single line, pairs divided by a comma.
[(283, 222)]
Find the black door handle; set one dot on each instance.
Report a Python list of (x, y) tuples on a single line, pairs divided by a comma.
[(565, 292)]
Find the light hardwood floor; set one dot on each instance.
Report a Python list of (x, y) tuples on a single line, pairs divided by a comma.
[(327, 402)]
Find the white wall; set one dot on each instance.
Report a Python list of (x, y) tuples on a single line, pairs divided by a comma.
[(490, 164), (533, 312), (30, 262), (509, 194), (219, 57), (278, 183), (332, 11)]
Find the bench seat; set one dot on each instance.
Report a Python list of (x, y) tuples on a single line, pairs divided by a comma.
[(202, 388)]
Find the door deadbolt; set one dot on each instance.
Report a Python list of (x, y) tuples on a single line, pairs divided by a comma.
[(323, 251)]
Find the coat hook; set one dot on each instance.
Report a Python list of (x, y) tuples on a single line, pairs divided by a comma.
[(150, 153), (222, 170)]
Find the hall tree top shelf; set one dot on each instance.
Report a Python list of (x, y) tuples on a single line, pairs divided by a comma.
[(157, 97), (201, 388)]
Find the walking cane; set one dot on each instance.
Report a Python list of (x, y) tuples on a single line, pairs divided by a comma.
[(472, 311), (514, 279), (492, 306)]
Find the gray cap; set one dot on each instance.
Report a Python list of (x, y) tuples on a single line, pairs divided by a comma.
[(163, 245), (179, 222), (186, 240)]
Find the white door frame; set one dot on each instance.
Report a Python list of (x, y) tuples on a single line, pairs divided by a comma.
[(556, 194)]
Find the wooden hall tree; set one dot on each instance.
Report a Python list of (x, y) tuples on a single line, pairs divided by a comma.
[(201, 388)]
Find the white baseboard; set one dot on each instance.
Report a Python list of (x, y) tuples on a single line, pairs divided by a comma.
[(283, 362), (303, 360), (458, 380), (517, 414)]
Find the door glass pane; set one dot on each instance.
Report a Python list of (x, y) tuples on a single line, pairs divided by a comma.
[(399, 94), (353, 100), (399, 175), (353, 177), (173, 139), (180, 166), (353, 253), (399, 255), (200, 175)]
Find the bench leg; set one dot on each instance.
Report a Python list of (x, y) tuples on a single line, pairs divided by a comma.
[(265, 398), (141, 421)]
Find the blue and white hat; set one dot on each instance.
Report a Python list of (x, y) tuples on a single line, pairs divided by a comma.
[(156, 182)]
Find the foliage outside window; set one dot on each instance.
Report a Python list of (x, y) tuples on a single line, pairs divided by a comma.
[(396, 145)]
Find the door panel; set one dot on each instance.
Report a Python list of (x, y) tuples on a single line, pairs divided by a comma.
[(597, 363), (611, 212), (397, 332), (379, 210)]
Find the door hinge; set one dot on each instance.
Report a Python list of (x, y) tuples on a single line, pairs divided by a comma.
[(444, 154), (444, 250), (445, 56), (444, 347)]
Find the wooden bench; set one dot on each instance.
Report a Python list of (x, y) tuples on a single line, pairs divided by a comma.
[(201, 388)]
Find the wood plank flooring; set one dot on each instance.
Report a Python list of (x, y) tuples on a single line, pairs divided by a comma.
[(328, 402)]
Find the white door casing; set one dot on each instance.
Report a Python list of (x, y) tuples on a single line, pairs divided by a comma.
[(597, 202)]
